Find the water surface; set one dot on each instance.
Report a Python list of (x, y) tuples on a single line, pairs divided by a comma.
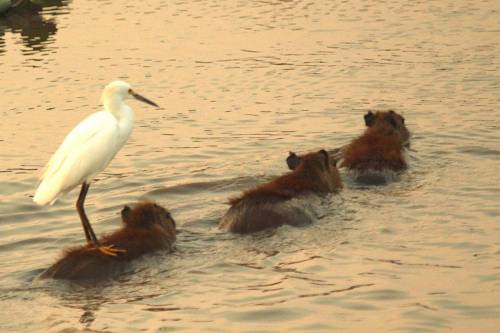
[(240, 84)]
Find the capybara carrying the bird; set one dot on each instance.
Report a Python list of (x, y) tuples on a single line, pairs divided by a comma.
[(146, 228)]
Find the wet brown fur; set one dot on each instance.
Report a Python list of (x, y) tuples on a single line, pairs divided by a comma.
[(381, 146), (146, 228), (313, 174), (257, 208)]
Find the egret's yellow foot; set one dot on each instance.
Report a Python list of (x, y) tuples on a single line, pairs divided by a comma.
[(110, 250)]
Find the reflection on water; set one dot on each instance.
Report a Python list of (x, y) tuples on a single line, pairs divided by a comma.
[(28, 20)]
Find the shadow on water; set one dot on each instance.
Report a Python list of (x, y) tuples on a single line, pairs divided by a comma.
[(27, 19)]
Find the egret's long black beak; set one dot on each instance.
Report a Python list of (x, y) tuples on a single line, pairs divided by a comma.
[(143, 99)]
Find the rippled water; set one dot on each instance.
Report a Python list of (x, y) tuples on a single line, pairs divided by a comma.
[(240, 84)]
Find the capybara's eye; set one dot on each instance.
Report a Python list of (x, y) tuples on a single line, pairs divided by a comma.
[(403, 120)]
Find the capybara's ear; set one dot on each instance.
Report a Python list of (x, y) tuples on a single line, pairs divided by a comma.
[(126, 211), (292, 161), (396, 116), (369, 119), (326, 157), (391, 118)]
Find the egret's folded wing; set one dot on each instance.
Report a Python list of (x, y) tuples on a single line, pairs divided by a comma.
[(85, 152), (82, 133)]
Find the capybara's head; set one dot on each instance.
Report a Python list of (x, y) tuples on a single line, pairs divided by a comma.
[(319, 165), (148, 215), (390, 120), (293, 160)]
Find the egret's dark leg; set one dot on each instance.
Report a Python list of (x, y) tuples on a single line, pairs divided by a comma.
[(87, 228)]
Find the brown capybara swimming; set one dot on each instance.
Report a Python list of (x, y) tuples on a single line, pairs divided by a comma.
[(273, 204), (381, 147), (147, 228)]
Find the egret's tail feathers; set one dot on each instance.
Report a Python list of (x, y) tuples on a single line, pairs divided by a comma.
[(46, 194)]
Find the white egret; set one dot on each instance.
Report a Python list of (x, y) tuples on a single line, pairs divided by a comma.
[(87, 150)]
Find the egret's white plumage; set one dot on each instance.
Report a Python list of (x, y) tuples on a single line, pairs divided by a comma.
[(87, 150), (89, 147)]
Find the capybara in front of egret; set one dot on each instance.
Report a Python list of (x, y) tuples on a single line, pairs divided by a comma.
[(381, 147), (274, 203), (146, 228)]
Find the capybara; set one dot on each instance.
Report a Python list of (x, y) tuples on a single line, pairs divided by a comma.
[(273, 204), (146, 228), (381, 147)]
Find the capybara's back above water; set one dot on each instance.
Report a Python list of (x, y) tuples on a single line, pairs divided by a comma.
[(146, 228), (275, 203)]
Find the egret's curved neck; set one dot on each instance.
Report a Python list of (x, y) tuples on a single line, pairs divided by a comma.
[(115, 105), (123, 114)]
